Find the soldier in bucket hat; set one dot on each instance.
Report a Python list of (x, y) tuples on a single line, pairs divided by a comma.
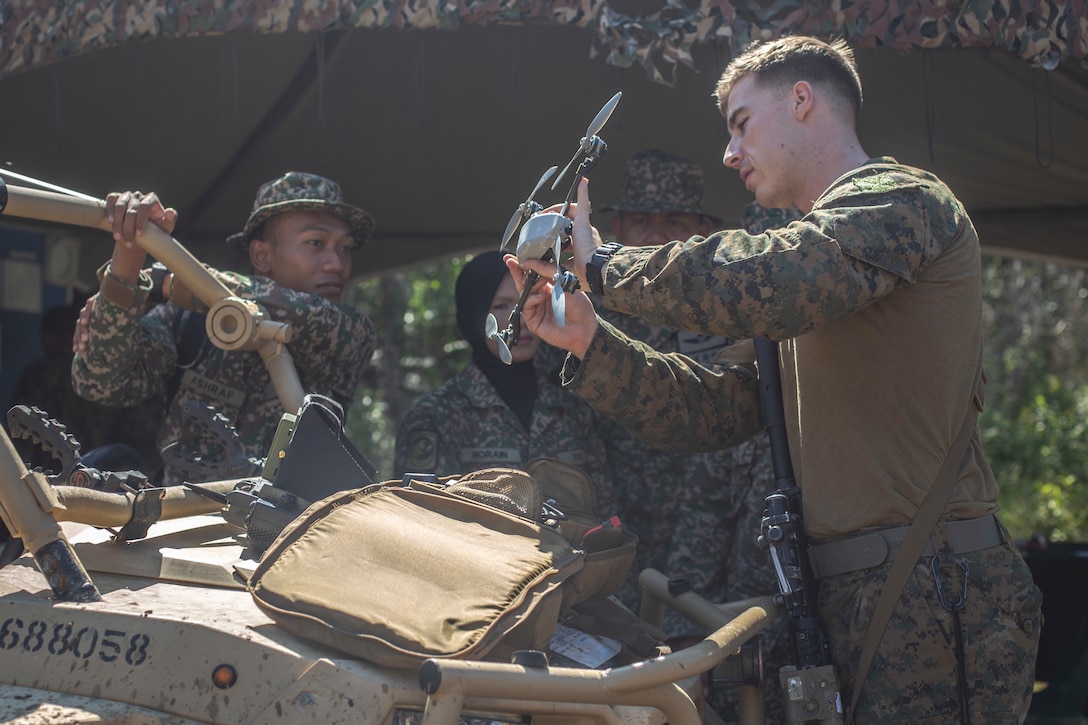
[(299, 237), (693, 512), (661, 199), (683, 506), (297, 191)]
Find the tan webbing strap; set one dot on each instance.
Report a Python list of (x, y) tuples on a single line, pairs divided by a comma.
[(915, 541)]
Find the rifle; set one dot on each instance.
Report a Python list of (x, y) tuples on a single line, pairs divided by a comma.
[(810, 689)]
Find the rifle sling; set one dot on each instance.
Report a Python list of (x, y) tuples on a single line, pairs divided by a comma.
[(910, 551)]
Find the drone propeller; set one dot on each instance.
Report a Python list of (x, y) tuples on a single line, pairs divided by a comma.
[(559, 300), (524, 210), (491, 331), (590, 143), (559, 304)]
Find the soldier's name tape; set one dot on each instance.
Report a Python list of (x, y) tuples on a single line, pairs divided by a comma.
[(208, 388)]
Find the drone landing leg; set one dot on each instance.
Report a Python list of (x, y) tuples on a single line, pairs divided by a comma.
[(508, 337), (513, 327)]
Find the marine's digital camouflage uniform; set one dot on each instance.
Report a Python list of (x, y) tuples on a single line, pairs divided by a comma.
[(875, 295), (133, 355), (696, 514)]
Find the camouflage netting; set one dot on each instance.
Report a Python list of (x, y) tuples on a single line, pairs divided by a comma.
[(1042, 32)]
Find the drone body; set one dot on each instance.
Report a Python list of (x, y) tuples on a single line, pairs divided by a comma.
[(544, 234)]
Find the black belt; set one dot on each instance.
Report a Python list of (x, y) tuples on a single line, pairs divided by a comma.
[(881, 546)]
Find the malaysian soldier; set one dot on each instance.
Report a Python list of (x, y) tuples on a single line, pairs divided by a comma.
[(875, 297), (496, 415), (688, 510), (697, 514), (299, 237)]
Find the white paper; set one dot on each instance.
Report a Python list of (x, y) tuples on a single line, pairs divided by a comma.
[(586, 649)]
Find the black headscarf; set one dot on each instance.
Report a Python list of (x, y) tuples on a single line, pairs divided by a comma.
[(476, 286)]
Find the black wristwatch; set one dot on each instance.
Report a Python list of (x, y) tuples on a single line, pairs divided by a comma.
[(157, 272), (595, 266)]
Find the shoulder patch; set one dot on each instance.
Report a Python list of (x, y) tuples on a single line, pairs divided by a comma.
[(877, 184), (422, 456)]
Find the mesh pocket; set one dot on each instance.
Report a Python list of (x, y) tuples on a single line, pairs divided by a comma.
[(506, 489)]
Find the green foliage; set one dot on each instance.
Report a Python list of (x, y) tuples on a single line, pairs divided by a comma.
[(1033, 428), (419, 348), (1039, 452)]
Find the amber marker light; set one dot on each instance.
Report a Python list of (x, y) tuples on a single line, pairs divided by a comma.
[(224, 676)]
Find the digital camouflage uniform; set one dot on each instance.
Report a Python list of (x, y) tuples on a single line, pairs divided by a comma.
[(696, 515), (875, 295), (46, 383), (465, 426), (133, 353)]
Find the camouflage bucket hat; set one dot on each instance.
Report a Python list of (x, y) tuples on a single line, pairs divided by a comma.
[(657, 181), (298, 191)]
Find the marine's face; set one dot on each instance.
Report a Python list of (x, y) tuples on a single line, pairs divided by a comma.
[(306, 251), (644, 229), (506, 296), (761, 143)]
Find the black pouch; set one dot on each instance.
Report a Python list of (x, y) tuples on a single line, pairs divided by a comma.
[(320, 459)]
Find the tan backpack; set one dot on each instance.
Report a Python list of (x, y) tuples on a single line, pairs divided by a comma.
[(396, 573)]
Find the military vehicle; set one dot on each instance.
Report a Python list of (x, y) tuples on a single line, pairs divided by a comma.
[(130, 605)]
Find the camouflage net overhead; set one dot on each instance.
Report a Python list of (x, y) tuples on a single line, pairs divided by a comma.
[(1041, 32)]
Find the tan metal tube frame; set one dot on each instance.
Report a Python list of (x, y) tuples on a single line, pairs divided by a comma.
[(449, 683), (656, 595), (101, 509), (232, 323), (32, 509)]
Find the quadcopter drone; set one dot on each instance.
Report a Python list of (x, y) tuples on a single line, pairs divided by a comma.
[(544, 235)]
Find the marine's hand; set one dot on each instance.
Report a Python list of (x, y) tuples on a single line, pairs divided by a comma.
[(581, 319), (584, 236), (82, 332)]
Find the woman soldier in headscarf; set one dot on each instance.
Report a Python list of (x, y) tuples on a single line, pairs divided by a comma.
[(496, 415)]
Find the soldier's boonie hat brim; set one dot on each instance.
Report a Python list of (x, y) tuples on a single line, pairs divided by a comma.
[(650, 208), (360, 221), (655, 181)]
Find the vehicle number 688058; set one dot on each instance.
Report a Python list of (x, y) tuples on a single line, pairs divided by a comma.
[(60, 638)]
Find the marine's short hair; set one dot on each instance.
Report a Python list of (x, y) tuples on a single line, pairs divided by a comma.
[(796, 58)]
